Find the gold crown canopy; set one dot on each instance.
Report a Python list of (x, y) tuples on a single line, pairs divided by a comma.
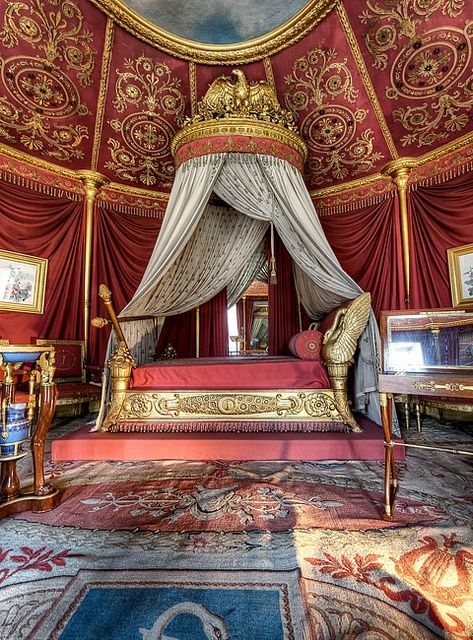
[(240, 116)]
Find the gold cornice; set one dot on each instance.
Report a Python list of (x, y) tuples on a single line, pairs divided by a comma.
[(136, 191), (441, 152), (230, 54), (347, 186), (37, 163), (238, 126), (368, 85)]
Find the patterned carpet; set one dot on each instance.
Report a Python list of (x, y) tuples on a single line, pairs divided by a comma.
[(245, 550)]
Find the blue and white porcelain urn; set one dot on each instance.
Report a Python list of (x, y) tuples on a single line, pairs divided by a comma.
[(14, 432)]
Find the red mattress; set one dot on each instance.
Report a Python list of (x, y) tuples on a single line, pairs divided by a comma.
[(231, 373)]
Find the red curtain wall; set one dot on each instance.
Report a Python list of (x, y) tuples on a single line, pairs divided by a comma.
[(441, 217), (123, 243), (179, 330), (49, 227), (367, 243), (283, 304)]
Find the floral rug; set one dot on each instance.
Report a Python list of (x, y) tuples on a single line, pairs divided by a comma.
[(245, 550)]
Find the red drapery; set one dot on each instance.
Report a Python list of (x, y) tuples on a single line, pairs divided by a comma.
[(248, 322), (214, 326), (49, 227), (283, 318), (123, 243), (441, 217), (367, 243), (180, 330)]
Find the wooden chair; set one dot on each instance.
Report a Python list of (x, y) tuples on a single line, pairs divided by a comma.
[(75, 394)]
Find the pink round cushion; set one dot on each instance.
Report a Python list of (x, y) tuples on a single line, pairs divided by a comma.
[(306, 344)]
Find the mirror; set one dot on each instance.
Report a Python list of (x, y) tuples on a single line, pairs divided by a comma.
[(424, 341), (259, 331)]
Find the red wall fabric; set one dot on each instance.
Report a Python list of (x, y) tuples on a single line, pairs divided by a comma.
[(123, 243), (283, 304), (49, 227), (367, 243), (179, 330), (441, 217), (214, 326)]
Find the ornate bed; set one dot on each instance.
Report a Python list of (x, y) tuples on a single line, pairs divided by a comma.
[(296, 395)]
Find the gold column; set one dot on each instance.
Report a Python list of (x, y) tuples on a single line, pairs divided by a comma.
[(92, 182), (399, 171)]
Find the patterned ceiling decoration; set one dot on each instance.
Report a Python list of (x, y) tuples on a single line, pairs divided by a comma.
[(83, 87), (48, 59), (420, 58), (142, 153)]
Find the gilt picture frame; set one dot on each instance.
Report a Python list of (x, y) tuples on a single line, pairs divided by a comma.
[(460, 267), (22, 282)]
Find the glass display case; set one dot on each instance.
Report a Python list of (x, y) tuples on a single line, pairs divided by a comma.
[(426, 353)]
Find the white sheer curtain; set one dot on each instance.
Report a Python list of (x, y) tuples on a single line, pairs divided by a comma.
[(223, 240), (249, 272), (266, 189), (270, 188), (190, 193)]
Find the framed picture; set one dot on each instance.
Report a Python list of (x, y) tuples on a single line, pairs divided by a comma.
[(460, 267), (22, 282)]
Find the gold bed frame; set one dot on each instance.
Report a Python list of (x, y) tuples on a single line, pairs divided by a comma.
[(150, 408)]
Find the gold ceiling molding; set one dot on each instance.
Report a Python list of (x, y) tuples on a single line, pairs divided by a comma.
[(136, 192), (37, 170), (230, 54), (101, 99), (357, 194)]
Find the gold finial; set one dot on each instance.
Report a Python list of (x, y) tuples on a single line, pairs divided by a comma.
[(99, 323), (105, 293)]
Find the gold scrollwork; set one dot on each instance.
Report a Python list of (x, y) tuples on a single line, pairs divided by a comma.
[(149, 405), (39, 85), (143, 152), (59, 34), (447, 386), (386, 22), (330, 130), (319, 405), (431, 66)]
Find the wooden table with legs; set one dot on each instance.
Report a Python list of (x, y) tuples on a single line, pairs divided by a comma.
[(19, 423), (445, 384)]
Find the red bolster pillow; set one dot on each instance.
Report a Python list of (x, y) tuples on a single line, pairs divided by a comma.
[(306, 344)]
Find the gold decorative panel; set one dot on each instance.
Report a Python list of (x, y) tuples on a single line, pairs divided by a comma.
[(321, 88), (148, 93), (426, 53), (43, 109)]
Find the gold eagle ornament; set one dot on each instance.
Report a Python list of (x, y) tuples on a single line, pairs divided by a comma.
[(234, 96)]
